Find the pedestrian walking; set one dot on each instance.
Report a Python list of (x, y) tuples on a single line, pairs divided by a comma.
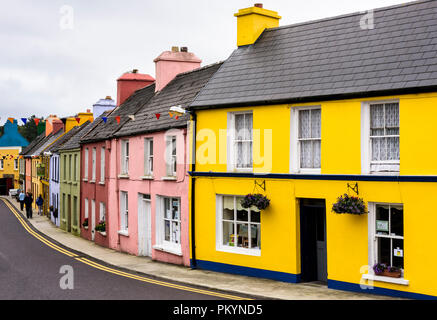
[(21, 197), (28, 200), (39, 202)]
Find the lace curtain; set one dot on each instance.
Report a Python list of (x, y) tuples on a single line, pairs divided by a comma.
[(310, 138), (243, 140)]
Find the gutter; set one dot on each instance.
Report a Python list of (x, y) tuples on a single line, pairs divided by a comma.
[(193, 263)]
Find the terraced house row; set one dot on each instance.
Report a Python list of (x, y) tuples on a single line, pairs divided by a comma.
[(330, 121)]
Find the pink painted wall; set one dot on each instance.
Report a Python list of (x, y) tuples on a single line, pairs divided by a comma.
[(28, 173), (94, 191), (135, 185)]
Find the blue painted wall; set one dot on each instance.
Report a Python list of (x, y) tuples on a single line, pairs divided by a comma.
[(11, 137)]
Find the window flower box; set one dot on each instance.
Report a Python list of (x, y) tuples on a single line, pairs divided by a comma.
[(349, 204), (101, 226), (85, 223), (381, 269), (257, 200)]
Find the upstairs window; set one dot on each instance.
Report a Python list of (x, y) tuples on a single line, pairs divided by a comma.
[(306, 139), (148, 156), (93, 163), (102, 165), (171, 158), (125, 156), (86, 164), (380, 137), (240, 148)]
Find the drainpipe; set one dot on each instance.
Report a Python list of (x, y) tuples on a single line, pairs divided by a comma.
[(193, 192)]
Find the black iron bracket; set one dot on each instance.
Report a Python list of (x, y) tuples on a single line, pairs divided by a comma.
[(353, 187)]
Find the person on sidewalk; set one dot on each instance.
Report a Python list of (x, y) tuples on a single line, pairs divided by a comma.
[(39, 202), (21, 199), (28, 200)]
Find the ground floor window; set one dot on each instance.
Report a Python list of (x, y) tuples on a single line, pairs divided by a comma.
[(239, 229), (387, 234), (168, 223)]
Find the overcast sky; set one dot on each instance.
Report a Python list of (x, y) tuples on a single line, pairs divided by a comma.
[(50, 64)]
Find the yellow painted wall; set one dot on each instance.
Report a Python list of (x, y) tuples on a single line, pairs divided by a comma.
[(8, 163), (347, 235)]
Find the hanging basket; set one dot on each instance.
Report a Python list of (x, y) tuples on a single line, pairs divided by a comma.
[(349, 204), (257, 200)]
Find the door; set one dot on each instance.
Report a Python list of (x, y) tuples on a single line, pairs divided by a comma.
[(144, 226), (313, 240)]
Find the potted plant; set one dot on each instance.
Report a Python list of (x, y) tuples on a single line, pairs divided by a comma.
[(85, 223), (257, 200), (381, 269), (101, 226), (349, 204)]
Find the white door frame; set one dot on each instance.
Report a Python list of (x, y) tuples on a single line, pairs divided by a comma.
[(144, 226), (93, 218)]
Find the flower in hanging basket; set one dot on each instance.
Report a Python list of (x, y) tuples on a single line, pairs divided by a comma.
[(257, 200), (349, 204)]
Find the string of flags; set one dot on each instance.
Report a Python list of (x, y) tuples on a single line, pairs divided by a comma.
[(173, 114)]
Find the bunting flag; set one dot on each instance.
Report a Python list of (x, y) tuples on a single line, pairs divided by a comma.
[(132, 117), (11, 120), (36, 121), (171, 114), (177, 117), (104, 119), (157, 115), (78, 119), (118, 119), (24, 120)]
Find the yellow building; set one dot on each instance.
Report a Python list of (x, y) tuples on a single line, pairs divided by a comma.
[(11, 143), (303, 115)]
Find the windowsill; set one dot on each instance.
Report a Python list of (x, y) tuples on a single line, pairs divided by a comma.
[(123, 176), (383, 173), (123, 233), (102, 183), (85, 227), (146, 178), (103, 233), (241, 170), (85, 180), (176, 252), (169, 178), (238, 250), (373, 277), (75, 183), (92, 181), (309, 171)]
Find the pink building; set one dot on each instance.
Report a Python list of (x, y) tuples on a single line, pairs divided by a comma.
[(151, 175)]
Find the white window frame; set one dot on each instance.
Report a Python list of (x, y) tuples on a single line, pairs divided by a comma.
[(161, 243), (231, 143), (85, 175), (392, 167), (219, 229), (124, 213), (2, 163), (86, 214), (102, 211), (372, 245), (15, 164), (102, 165), (295, 144), (124, 157), (171, 159), (93, 164), (148, 156)]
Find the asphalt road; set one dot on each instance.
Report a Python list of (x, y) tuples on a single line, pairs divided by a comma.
[(31, 270)]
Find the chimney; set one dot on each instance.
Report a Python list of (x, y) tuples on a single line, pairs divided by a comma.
[(252, 21), (103, 105), (170, 63), (83, 117), (52, 123), (130, 82)]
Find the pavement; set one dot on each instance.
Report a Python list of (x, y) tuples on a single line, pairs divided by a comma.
[(236, 284)]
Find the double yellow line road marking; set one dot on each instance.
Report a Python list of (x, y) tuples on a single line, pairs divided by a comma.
[(112, 270)]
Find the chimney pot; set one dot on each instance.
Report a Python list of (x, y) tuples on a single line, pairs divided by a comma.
[(175, 49), (184, 49), (88, 110), (258, 5), (134, 70), (108, 98)]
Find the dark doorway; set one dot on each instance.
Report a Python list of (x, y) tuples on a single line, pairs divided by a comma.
[(313, 240), (5, 185)]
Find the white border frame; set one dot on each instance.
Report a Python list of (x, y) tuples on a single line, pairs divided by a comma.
[(219, 230), (231, 163), (294, 144), (365, 136)]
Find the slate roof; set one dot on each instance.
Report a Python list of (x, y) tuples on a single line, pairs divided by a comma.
[(79, 132), (33, 145), (61, 141), (103, 131), (180, 91), (332, 58), (46, 142)]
